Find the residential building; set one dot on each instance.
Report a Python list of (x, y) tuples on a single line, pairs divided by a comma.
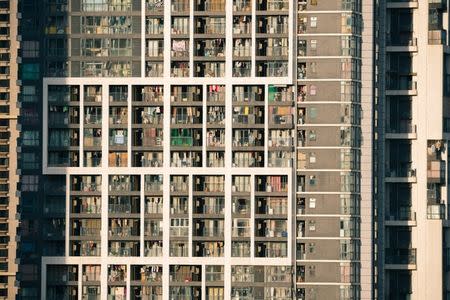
[(412, 141), (8, 146), (241, 149), (334, 150)]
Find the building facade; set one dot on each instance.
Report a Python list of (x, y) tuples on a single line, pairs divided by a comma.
[(412, 150), (242, 149), (334, 151), (8, 146), (167, 148)]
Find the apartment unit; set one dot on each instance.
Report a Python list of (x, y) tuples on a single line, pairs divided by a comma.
[(8, 147), (412, 193), (162, 150)]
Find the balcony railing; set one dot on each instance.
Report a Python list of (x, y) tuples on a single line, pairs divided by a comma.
[(401, 171), (242, 5), (242, 71), (405, 127), (120, 208), (209, 232), (400, 256)]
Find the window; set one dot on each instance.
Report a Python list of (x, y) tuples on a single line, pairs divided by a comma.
[(29, 161), (30, 71), (312, 271), (312, 225), (313, 67), (312, 202), (312, 247), (30, 138), (313, 44), (29, 272), (30, 183), (30, 49), (312, 179), (312, 135), (312, 90), (313, 112), (29, 93), (312, 157), (313, 22)]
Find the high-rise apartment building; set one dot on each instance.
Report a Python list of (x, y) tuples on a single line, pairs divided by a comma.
[(224, 149), (412, 173), (8, 145), (166, 150), (334, 161)]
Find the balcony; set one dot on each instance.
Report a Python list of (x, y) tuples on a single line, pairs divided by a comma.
[(273, 5), (404, 216), (179, 185), (241, 232), (213, 233), (403, 130), (272, 69), (402, 4), (402, 88), (210, 6), (242, 6), (437, 4), (400, 258), (401, 42), (126, 208), (155, 7), (400, 174), (436, 211), (242, 70), (180, 6), (124, 232), (128, 249), (209, 209)]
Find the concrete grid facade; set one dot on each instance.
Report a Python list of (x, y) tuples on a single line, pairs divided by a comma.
[(178, 178), (242, 149)]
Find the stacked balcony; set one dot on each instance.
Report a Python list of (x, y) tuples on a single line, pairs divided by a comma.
[(215, 126), (105, 39), (63, 126), (281, 125), (53, 221), (185, 282), (153, 221), (209, 39), (118, 126), (248, 126), (92, 136), (186, 143), (62, 282), (146, 281), (242, 38), (117, 281), (208, 216), (246, 282), (436, 170), (124, 215), (91, 278), (214, 281), (85, 215), (179, 216), (271, 214), (241, 216), (154, 39), (180, 39), (147, 126), (272, 34)]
